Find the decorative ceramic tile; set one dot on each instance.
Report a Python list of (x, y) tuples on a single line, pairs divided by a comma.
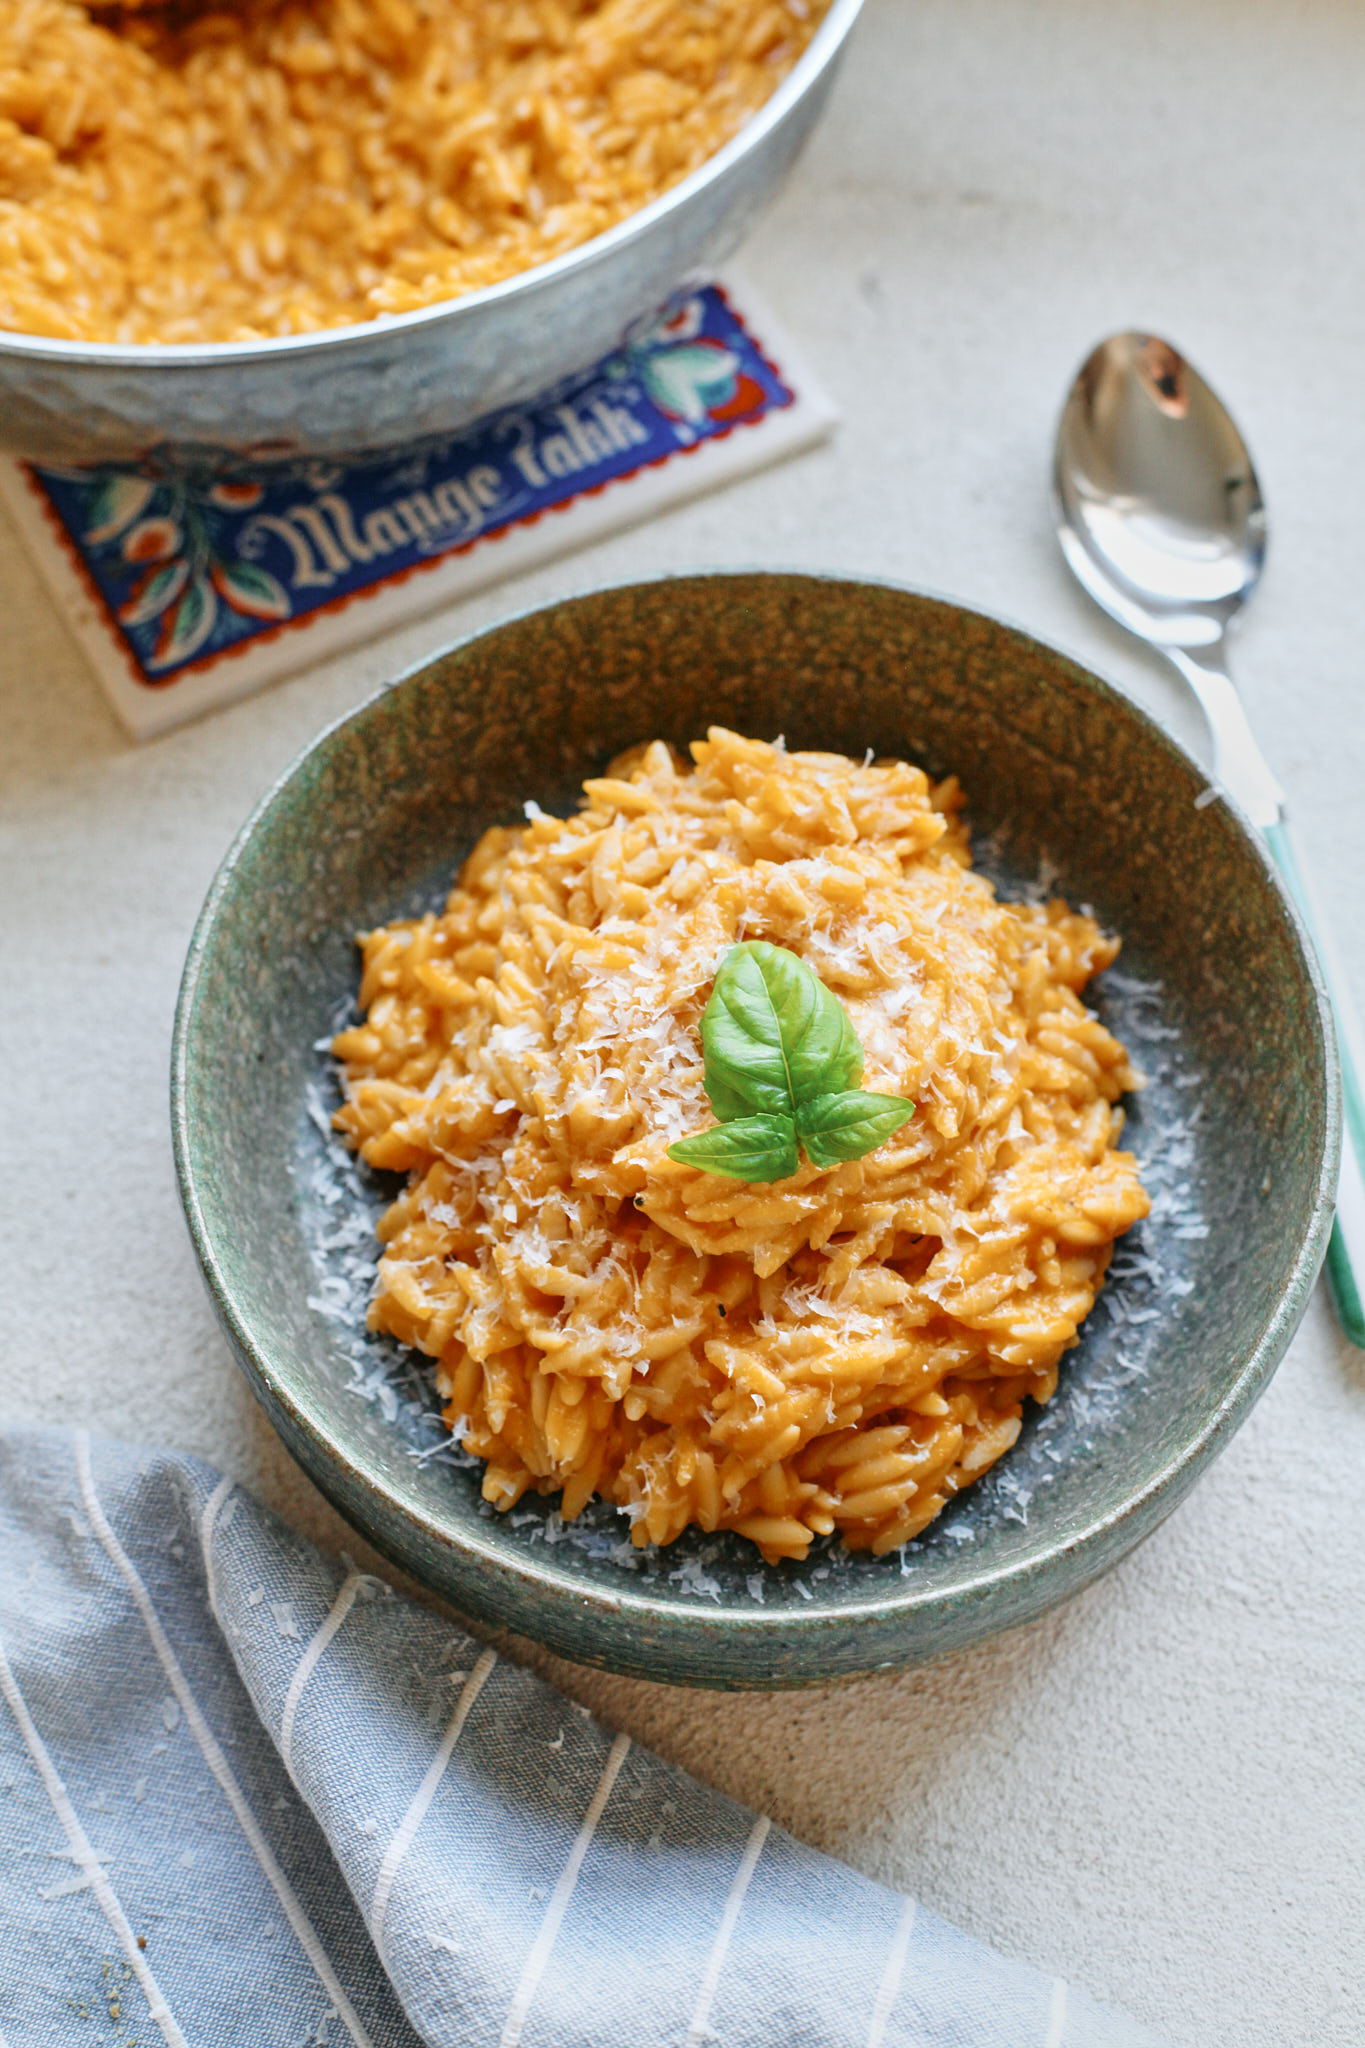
[(190, 581)]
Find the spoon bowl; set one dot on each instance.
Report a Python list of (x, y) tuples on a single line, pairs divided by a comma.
[(1159, 509)]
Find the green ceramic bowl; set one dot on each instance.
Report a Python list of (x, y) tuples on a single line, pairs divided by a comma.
[(1217, 994)]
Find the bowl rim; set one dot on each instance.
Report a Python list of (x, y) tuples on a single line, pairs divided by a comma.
[(902, 1599), (819, 55)]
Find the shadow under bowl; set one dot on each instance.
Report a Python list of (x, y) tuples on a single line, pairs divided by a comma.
[(1215, 994)]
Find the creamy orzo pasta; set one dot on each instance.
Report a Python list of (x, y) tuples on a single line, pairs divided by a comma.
[(842, 1350), (218, 172)]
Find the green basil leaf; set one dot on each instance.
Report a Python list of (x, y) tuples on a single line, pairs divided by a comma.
[(782, 1061), (847, 1126), (774, 1036), (760, 1148)]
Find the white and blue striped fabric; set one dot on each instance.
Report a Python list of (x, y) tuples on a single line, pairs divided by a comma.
[(250, 1800)]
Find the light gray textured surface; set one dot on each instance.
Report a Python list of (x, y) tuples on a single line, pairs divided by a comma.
[(1159, 1791)]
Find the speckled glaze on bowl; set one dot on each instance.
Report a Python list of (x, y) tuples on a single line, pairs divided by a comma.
[(1217, 993)]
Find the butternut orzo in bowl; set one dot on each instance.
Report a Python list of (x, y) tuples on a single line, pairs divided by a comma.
[(838, 1349), (532, 1056)]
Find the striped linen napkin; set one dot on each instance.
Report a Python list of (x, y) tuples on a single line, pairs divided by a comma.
[(249, 1799)]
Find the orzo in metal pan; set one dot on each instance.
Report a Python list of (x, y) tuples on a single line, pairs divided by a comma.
[(196, 173)]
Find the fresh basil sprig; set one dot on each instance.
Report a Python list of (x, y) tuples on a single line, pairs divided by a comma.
[(782, 1067)]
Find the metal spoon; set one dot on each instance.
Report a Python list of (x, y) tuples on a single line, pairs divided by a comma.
[(1160, 516)]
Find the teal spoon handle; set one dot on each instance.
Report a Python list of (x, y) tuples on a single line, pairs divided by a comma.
[(1345, 1266)]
